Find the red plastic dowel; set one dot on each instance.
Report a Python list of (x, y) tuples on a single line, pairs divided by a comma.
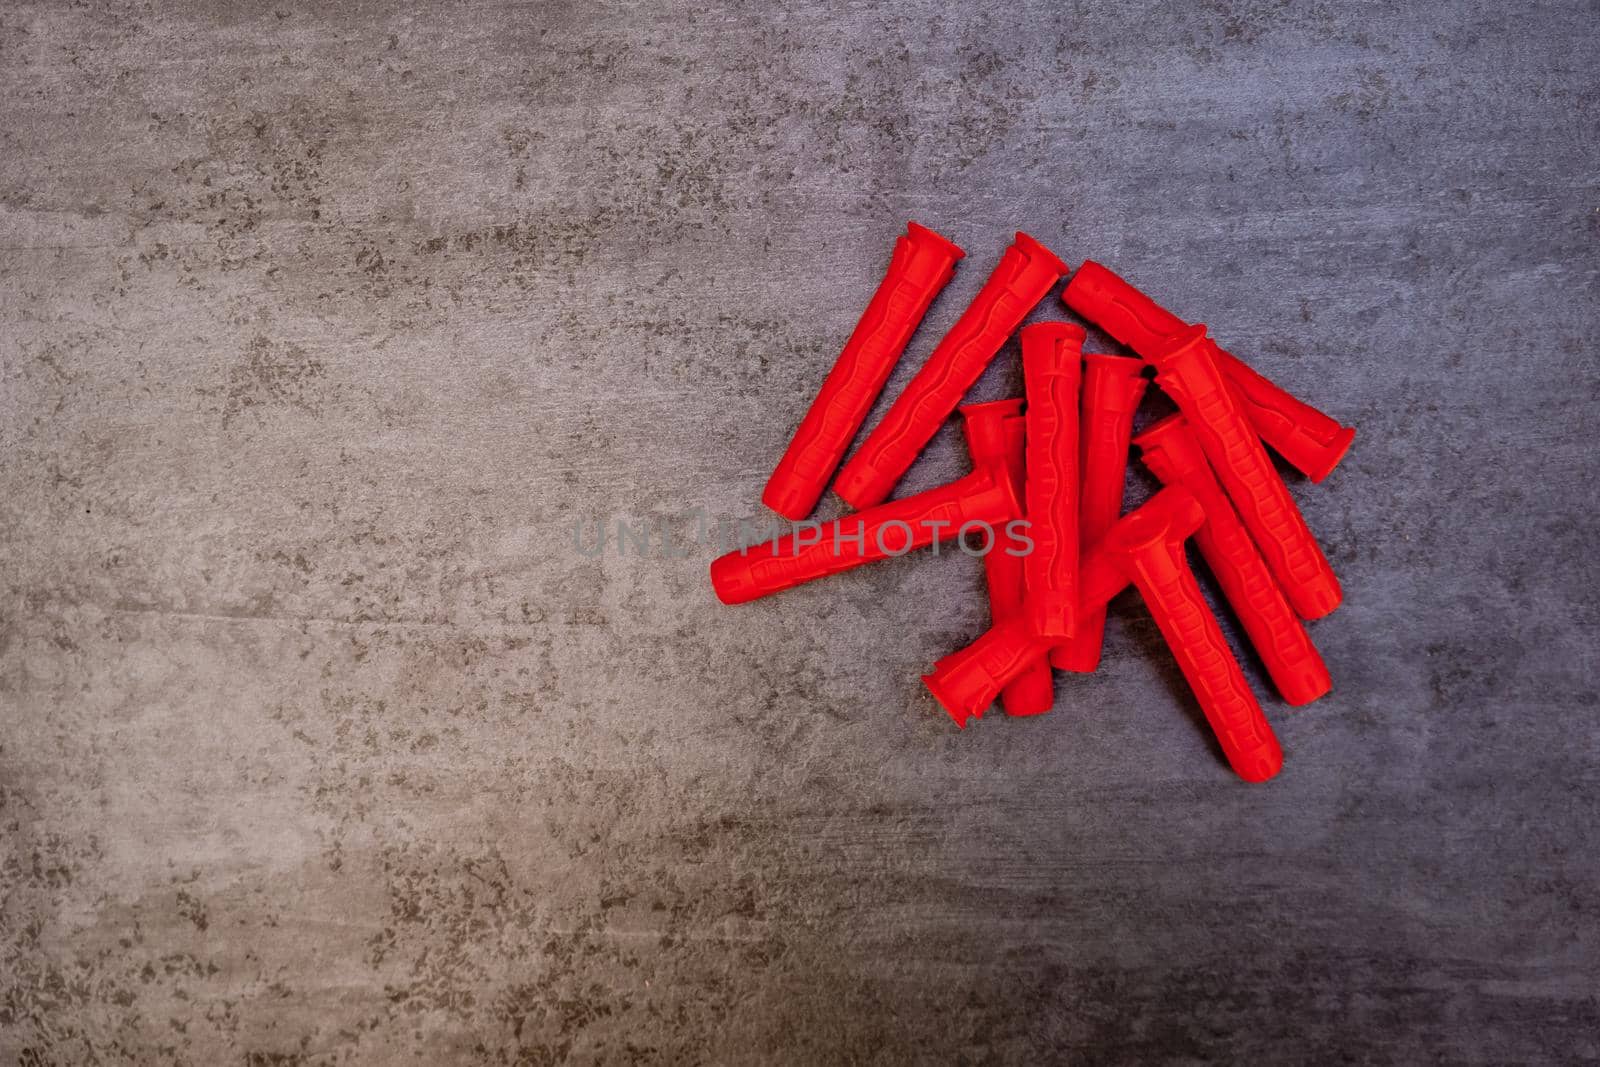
[(984, 497), (1313, 442), (1112, 389), (1052, 354), (994, 438), (1186, 369), (966, 682), (1148, 546), (922, 264), (1025, 274), (1171, 452)]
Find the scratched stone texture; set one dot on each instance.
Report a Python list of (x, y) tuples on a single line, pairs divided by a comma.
[(323, 327)]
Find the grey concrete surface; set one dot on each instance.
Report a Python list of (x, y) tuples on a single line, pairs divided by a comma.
[(322, 325)]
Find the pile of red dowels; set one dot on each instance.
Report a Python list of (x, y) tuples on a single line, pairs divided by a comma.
[(1047, 490)]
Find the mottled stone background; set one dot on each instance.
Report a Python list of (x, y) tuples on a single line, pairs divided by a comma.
[(321, 325)]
